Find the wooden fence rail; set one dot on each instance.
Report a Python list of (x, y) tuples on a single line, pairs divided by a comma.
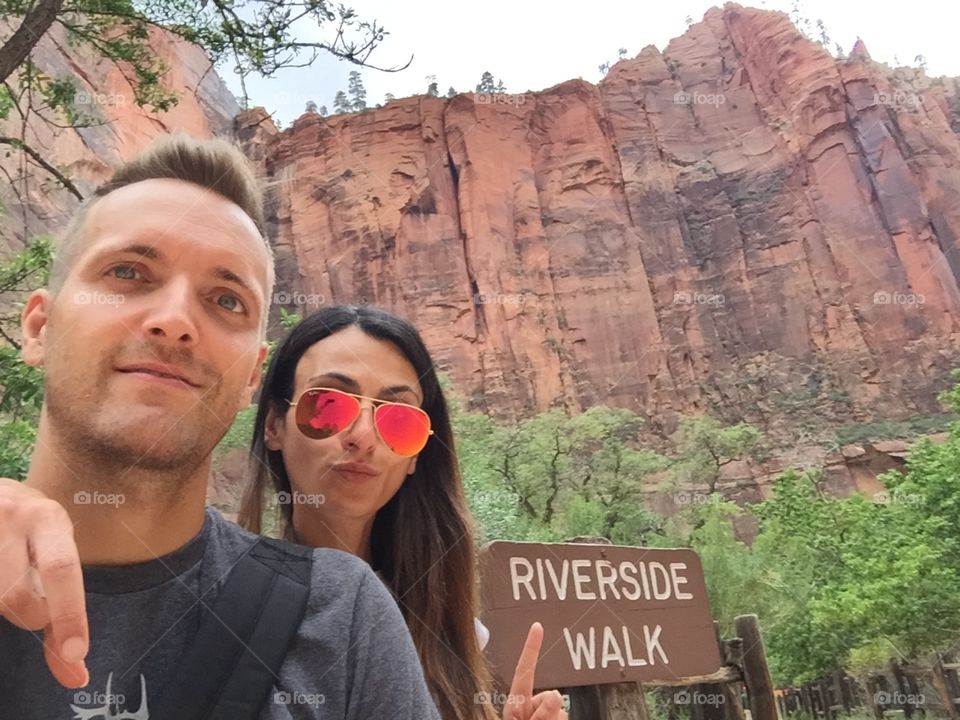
[(910, 691)]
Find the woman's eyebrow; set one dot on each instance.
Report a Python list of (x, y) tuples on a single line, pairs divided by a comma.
[(339, 377), (397, 389), (347, 381)]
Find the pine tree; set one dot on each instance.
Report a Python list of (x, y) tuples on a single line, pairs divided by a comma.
[(340, 103), (451, 92), (358, 96), (486, 84)]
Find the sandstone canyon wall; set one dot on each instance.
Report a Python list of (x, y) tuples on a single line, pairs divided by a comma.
[(34, 204), (741, 225)]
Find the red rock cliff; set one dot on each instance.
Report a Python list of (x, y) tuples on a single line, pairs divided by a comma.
[(741, 224), (34, 204)]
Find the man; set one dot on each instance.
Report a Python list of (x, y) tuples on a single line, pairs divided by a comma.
[(151, 339)]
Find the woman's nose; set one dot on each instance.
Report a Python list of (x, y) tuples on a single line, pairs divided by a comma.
[(362, 435)]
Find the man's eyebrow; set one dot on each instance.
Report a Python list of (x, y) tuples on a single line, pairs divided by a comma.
[(230, 276), (147, 251)]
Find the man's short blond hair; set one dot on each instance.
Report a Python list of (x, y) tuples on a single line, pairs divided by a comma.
[(215, 165)]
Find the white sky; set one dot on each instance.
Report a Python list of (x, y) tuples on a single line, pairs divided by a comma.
[(535, 45)]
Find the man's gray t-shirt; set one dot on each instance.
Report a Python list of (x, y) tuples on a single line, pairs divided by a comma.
[(352, 656)]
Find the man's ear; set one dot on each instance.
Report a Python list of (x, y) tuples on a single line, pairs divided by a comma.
[(33, 326), (254, 382), (272, 427)]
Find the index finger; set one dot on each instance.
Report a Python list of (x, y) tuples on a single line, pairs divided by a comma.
[(522, 686), (58, 565)]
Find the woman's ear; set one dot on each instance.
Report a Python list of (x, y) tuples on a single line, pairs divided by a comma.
[(273, 428), (411, 468)]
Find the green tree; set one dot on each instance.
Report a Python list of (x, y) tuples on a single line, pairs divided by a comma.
[(854, 573), (254, 36), (356, 91), (739, 580), (341, 104), (706, 446), (486, 84), (21, 386), (553, 476)]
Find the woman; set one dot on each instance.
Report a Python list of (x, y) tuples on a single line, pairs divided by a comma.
[(383, 485)]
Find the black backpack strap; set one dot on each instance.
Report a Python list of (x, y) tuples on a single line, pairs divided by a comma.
[(236, 655)]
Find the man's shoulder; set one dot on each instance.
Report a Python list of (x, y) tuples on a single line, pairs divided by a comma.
[(336, 575)]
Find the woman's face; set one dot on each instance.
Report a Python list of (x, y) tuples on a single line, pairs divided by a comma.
[(353, 472)]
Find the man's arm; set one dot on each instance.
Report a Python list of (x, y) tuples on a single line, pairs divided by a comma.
[(37, 548)]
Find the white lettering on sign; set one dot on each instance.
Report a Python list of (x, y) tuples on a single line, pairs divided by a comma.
[(678, 580), (617, 649), (517, 580), (552, 579)]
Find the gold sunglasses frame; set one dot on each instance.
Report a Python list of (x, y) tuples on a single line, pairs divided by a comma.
[(376, 402)]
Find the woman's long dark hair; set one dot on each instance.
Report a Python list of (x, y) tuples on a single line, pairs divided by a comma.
[(422, 541)]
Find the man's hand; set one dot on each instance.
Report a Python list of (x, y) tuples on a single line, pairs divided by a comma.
[(522, 704), (41, 581)]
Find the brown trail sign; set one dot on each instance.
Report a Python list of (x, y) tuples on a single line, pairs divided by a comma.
[(610, 614)]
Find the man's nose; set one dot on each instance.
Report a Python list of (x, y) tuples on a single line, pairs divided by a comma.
[(172, 315)]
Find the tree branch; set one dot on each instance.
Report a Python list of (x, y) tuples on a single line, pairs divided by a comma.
[(34, 25), (37, 158)]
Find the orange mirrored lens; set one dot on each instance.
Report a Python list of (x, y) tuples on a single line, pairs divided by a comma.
[(403, 428), (324, 413)]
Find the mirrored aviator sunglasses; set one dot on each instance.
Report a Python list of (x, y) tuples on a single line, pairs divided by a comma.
[(323, 412)]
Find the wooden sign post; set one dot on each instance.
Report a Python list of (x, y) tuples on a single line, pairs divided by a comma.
[(610, 614)]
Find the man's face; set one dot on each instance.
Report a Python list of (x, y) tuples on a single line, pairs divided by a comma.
[(169, 280)]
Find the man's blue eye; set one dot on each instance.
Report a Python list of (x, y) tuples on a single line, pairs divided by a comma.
[(128, 272), (234, 303)]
